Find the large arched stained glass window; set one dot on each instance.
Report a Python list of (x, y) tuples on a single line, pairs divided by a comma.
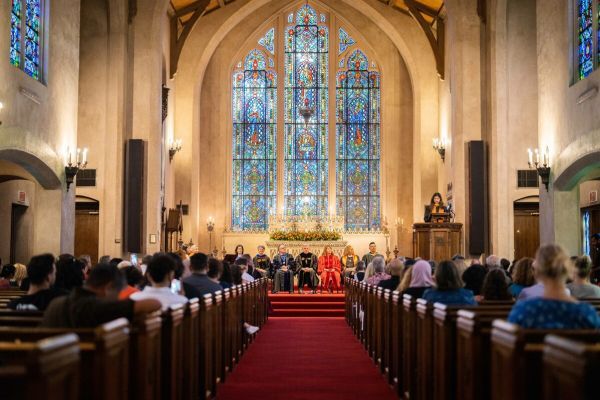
[(306, 113), (254, 142), (25, 36), (358, 146)]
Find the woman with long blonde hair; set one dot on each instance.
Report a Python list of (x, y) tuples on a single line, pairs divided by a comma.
[(329, 269), (349, 261)]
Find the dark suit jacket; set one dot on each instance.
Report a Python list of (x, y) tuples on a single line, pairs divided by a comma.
[(197, 285)]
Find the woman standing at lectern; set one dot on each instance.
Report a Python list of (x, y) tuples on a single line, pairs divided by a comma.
[(436, 206)]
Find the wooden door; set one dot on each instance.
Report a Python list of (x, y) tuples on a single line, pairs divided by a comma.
[(87, 234), (527, 231)]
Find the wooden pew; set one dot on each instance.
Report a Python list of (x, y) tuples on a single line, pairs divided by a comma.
[(517, 359), (445, 345), (191, 350), (47, 368), (571, 368), (104, 356), (424, 345), (386, 330), (409, 353), (473, 353), (396, 333), (172, 352), (207, 364), (145, 357)]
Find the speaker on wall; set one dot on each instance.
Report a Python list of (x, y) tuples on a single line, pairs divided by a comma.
[(478, 197), (133, 213)]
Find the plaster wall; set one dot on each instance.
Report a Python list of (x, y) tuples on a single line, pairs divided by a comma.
[(568, 122), (40, 119)]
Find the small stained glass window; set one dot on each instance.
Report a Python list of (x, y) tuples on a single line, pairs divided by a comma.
[(25, 36)]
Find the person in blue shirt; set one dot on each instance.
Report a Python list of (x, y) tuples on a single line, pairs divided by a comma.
[(449, 287), (555, 309)]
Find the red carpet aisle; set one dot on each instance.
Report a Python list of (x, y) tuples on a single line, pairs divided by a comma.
[(304, 358), (306, 305)]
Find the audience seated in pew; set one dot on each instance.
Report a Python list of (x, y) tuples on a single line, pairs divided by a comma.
[(495, 286), (581, 288), (359, 275), (198, 284), (449, 287), (133, 279), (237, 273), (6, 275), (554, 309), (396, 269), (473, 278), (379, 274), (225, 278), (69, 272), (244, 266), (160, 273), (420, 279), (96, 302), (523, 276), (41, 271)]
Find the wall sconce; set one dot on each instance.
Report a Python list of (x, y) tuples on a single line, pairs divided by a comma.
[(439, 144), (543, 168), (71, 168), (1, 107), (174, 147)]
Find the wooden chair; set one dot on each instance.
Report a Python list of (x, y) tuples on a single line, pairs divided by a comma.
[(571, 368), (46, 368)]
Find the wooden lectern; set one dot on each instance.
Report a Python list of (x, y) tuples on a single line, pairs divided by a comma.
[(437, 241)]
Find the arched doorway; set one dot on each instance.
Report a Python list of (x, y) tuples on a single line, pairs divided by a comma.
[(87, 227), (526, 226)]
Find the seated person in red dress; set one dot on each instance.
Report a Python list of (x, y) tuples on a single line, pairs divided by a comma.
[(329, 269)]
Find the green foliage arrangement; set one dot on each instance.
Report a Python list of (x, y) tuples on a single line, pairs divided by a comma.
[(306, 236)]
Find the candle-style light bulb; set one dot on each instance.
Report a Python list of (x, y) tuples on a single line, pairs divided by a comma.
[(537, 157), (546, 157), (84, 157), (529, 157)]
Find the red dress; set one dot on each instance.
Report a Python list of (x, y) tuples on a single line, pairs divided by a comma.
[(329, 271)]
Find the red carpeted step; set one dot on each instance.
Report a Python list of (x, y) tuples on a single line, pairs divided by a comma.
[(306, 297), (280, 305), (314, 313)]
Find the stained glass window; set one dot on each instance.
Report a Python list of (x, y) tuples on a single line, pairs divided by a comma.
[(306, 111), (585, 35), (15, 34), (586, 232), (345, 41), (268, 41), (254, 143), (25, 37), (358, 145)]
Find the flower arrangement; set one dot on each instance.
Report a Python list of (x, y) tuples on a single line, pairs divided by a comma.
[(306, 236)]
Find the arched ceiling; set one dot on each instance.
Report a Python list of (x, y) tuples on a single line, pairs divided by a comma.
[(428, 14)]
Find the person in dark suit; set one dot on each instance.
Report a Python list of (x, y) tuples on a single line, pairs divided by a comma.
[(198, 284), (283, 265)]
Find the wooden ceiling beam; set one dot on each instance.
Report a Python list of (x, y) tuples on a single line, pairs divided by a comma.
[(190, 8), (178, 37), (436, 38)]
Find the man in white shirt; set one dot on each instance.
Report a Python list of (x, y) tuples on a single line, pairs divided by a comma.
[(160, 273)]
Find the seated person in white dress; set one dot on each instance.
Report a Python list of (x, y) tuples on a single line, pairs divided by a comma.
[(160, 272), (283, 265)]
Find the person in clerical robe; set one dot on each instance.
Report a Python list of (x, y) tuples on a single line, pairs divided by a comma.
[(349, 261), (283, 266), (262, 264), (306, 267), (329, 269)]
